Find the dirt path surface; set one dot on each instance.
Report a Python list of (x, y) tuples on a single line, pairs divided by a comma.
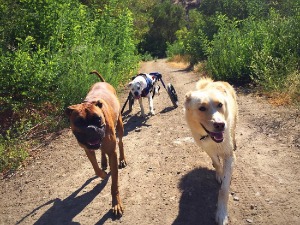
[(168, 180)]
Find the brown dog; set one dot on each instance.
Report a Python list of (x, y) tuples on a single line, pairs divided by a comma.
[(95, 123)]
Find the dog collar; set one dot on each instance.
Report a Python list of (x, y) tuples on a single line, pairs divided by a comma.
[(203, 137)]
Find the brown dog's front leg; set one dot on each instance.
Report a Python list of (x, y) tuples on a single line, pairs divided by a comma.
[(117, 207), (120, 132), (92, 157), (103, 161)]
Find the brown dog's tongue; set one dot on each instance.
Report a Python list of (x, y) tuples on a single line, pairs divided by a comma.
[(93, 142)]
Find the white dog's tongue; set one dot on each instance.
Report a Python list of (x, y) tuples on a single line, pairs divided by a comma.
[(217, 135)]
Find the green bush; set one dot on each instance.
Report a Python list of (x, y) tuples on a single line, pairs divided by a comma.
[(11, 155), (242, 42), (47, 54), (193, 41), (51, 60), (265, 51), (278, 54), (230, 52)]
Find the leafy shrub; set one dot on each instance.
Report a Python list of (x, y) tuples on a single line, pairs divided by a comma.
[(193, 41), (250, 41), (11, 155), (230, 52), (166, 19), (47, 54), (263, 51), (277, 55)]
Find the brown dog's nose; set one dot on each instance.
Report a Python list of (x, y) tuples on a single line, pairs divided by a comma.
[(219, 126)]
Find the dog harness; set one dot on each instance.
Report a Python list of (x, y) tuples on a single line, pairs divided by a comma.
[(149, 87)]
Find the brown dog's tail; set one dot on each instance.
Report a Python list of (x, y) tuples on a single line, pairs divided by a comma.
[(98, 74)]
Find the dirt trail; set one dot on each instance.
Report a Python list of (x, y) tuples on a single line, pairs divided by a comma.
[(168, 180)]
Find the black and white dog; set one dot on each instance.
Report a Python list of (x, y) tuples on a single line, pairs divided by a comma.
[(144, 85)]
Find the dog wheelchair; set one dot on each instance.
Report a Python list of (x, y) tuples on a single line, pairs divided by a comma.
[(158, 77)]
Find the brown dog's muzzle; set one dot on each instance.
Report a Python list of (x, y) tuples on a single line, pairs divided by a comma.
[(91, 136)]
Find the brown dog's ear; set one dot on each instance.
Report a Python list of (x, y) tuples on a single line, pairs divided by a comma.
[(98, 104), (69, 110)]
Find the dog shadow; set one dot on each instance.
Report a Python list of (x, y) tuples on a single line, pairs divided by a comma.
[(199, 198), (167, 109), (63, 211), (133, 122)]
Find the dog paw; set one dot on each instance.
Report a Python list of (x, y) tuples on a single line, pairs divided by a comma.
[(152, 113), (222, 217), (117, 209), (122, 164), (219, 177)]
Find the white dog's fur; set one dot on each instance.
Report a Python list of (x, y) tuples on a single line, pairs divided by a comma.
[(211, 114), (136, 88)]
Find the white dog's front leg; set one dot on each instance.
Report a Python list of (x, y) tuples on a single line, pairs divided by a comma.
[(217, 165), (141, 106), (150, 100), (222, 215)]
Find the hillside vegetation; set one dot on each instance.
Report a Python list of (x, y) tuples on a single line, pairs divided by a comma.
[(49, 47), (245, 41), (47, 50)]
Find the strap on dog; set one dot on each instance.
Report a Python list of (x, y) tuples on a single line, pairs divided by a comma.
[(149, 87)]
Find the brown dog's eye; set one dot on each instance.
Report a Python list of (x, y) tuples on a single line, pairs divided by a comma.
[(220, 105), (202, 108), (96, 120)]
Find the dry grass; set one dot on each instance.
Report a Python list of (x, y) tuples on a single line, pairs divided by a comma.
[(288, 95), (183, 62), (179, 61), (279, 99)]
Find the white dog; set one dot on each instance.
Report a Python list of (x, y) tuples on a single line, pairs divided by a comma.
[(211, 114), (144, 85)]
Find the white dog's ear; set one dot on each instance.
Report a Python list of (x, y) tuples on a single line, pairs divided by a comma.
[(130, 84), (188, 98)]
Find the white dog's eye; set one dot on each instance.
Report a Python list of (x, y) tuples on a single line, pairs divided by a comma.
[(138, 88), (220, 105), (202, 108)]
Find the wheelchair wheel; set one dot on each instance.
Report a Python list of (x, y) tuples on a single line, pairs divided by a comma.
[(172, 94)]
